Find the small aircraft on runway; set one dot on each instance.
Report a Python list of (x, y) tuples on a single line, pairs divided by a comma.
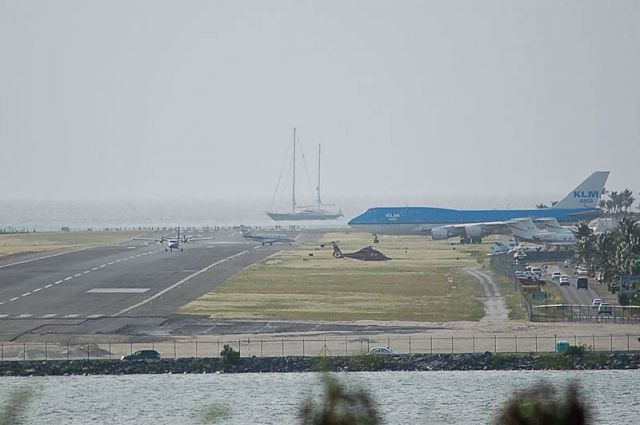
[(268, 238), (174, 242), (365, 254)]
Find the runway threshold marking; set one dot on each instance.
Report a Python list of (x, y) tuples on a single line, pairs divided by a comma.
[(178, 283), (44, 257)]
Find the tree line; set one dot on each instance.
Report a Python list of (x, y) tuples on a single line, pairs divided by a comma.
[(612, 254)]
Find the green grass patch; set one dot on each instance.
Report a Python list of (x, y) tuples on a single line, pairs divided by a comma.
[(421, 283)]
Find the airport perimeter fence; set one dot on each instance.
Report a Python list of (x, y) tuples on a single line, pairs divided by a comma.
[(315, 347)]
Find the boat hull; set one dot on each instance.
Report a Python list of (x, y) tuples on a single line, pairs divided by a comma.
[(303, 216)]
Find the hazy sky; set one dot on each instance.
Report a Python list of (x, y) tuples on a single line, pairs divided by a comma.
[(410, 99)]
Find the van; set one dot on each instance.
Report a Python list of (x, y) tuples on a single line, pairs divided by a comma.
[(582, 283)]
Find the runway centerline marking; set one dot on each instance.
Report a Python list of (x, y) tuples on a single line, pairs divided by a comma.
[(178, 283), (37, 290), (68, 278), (78, 274), (48, 286), (13, 299), (87, 271), (26, 294), (59, 281), (94, 269)]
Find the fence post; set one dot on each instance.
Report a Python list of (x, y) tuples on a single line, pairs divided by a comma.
[(46, 353), (302, 347), (368, 349), (593, 342), (131, 346), (282, 347), (410, 345), (196, 348), (346, 349), (2, 350), (431, 344), (536, 343), (611, 345), (495, 343), (239, 351), (109, 349), (24, 351), (174, 349), (88, 348), (575, 340), (261, 348), (218, 352), (67, 350), (473, 343), (451, 344)]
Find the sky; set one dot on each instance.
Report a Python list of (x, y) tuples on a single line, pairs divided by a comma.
[(411, 100)]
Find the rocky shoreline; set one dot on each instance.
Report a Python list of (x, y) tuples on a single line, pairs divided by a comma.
[(412, 362)]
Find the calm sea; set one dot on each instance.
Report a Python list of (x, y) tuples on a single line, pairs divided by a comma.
[(83, 214), (403, 397)]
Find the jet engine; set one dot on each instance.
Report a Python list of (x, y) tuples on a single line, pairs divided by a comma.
[(474, 231), (438, 234)]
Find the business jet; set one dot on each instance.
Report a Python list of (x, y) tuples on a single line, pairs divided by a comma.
[(268, 238), (523, 229)]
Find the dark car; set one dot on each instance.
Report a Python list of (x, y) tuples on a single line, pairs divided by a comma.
[(582, 283), (142, 355)]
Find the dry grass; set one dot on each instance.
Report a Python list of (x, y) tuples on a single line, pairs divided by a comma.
[(422, 282), (35, 242)]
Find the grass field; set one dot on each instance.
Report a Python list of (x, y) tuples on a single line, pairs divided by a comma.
[(422, 282), (35, 242)]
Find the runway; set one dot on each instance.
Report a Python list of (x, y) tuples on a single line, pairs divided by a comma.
[(134, 280)]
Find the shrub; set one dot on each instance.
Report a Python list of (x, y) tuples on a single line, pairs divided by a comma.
[(229, 356), (623, 299)]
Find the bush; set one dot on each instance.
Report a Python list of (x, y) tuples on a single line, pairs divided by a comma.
[(623, 299), (229, 356), (575, 351)]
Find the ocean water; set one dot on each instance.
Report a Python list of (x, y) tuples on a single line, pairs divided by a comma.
[(48, 215), (402, 397)]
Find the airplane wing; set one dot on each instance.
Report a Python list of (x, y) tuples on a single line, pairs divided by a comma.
[(470, 230)]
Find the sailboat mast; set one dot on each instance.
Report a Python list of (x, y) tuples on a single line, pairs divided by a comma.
[(293, 191), (318, 188)]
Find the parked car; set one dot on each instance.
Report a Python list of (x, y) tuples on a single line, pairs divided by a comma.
[(580, 271), (605, 308), (567, 263), (565, 281), (556, 276), (381, 351), (141, 356), (582, 283), (536, 270), (596, 302)]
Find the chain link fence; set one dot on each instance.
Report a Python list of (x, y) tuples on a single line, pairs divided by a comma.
[(314, 347)]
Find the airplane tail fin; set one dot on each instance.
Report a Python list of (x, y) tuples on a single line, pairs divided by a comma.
[(587, 194), (336, 250), (522, 228)]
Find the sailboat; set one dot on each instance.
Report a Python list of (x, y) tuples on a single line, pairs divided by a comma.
[(301, 213)]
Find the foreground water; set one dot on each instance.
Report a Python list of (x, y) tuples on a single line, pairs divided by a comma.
[(403, 397)]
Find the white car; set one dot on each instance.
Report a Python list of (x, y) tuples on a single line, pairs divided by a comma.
[(582, 271), (556, 276), (565, 281), (596, 302), (567, 263)]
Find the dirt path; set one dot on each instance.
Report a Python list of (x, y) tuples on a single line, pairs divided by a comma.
[(495, 307)]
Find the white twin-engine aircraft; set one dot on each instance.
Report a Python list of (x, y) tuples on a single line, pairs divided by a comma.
[(174, 242), (552, 233)]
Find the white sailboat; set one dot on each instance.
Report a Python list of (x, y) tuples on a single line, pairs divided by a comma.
[(302, 213)]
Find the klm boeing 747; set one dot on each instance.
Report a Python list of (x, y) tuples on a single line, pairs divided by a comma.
[(472, 225)]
